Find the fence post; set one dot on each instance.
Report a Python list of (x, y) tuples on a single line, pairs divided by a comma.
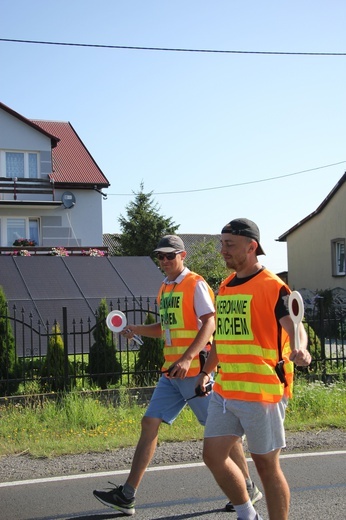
[(322, 337), (65, 340)]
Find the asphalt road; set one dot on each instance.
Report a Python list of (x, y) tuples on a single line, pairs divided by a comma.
[(180, 492)]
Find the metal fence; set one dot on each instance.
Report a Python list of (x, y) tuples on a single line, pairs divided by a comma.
[(327, 344), (32, 340), (326, 327)]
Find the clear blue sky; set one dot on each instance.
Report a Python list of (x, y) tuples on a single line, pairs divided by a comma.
[(184, 121)]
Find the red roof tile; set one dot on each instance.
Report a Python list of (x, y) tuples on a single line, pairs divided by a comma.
[(72, 162)]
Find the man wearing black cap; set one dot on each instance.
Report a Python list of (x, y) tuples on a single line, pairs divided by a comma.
[(254, 339), (186, 324)]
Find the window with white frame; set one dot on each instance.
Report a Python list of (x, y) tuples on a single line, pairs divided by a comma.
[(338, 257), (16, 228), (19, 164)]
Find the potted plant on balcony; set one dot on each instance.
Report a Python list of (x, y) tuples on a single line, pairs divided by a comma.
[(24, 242), (59, 251), (93, 252)]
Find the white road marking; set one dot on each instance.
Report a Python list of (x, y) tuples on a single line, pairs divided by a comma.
[(157, 468)]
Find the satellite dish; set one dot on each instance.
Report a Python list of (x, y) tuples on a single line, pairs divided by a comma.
[(68, 199)]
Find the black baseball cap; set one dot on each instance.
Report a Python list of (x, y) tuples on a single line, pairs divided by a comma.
[(169, 244), (245, 228)]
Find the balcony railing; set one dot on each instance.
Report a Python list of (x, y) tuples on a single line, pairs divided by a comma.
[(48, 250), (19, 186)]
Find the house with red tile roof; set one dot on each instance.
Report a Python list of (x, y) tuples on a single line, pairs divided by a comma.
[(51, 188), (51, 192)]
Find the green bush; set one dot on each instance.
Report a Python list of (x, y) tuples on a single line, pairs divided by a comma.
[(314, 345), (53, 368), (104, 368), (7, 347), (149, 360)]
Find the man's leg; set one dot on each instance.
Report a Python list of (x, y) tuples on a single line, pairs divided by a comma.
[(275, 484), (237, 455), (145, 450), (122, 498), (225, 471), (236, 452)]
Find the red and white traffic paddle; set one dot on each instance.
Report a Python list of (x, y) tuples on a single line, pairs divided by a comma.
[(296, 310), (116, 322)]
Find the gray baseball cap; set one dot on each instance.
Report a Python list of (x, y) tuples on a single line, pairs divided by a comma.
[(170, 243)]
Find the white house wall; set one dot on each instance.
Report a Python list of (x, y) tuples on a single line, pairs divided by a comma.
[(16, 135), (309, 250), (80, 225)]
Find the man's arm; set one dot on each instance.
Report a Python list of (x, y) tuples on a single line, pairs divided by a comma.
[(204, 334), (302, 356), (153, 330)]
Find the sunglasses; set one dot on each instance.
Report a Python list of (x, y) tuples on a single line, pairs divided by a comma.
[(169, 256)]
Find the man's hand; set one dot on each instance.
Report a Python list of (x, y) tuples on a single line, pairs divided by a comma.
[(202, 383), (129, 331), (302, 358), (180, 368)]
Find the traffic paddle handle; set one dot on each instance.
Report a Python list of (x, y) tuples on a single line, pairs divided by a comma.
[(296, 310)]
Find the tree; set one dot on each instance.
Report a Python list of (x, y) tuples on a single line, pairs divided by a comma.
[(205, 259), (104, 368), (53, 367), (143, 227), (7, 345), (150, 359)]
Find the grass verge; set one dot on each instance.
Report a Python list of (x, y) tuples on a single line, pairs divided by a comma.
[(76, 424)]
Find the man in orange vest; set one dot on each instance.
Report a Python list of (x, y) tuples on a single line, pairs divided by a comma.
[(254, 347), (187, 323)]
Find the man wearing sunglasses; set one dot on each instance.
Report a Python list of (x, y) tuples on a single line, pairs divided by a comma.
[(187, 323)]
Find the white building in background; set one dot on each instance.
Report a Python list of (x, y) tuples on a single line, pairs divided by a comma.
[(50, 186)]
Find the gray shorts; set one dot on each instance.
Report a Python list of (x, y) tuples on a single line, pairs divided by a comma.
[(262, 423)]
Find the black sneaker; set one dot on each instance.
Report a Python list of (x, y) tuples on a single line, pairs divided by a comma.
[(116, 499), (254, 494)]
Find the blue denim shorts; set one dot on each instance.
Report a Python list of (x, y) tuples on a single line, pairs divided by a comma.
[(169, 398)]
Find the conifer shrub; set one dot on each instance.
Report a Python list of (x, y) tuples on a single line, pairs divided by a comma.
[(104, 367), (53, 368), (7, 348), (149, 359)]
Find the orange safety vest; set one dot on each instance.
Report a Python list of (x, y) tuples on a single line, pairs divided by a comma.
[(248, 338), (177, 316)]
